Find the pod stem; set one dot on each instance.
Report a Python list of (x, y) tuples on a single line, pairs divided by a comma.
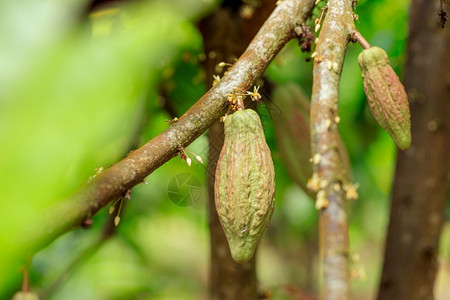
[(25, 280), (240, 103), (357, 36)]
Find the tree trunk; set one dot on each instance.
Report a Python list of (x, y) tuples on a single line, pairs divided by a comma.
[(420, 186), (229, 280), (226, 35)]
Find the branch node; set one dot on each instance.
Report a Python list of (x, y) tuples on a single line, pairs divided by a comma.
[(305, 37), (87, 224)]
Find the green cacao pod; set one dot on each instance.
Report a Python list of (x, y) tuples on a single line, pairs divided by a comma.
[(386, 95), (25, 296), (293, 135), (244, 184)]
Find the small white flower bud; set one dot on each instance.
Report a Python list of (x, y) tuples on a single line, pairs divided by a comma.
[(317, 28), (199, 159)]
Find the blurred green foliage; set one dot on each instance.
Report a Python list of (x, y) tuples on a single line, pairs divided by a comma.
[(74, 91), (71, 95)]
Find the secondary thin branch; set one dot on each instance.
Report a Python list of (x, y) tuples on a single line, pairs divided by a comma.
[(333, 223)]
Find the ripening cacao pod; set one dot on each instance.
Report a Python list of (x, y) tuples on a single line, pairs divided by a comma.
[(244, 184), (292, 131), (386, 95), (293, 135)]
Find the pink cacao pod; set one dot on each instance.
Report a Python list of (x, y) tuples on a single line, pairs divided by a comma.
[(386, 95), (293, 135), (292, 131)]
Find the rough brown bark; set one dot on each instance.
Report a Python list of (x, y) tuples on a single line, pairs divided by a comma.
[(420, 186), (226, 35)]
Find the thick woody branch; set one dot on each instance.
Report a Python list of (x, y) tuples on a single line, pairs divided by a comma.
[(333, 223), (118, 179)]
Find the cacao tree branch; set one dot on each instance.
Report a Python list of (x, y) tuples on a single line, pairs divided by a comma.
[(327, 166), (420, 190), (115, 181)]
